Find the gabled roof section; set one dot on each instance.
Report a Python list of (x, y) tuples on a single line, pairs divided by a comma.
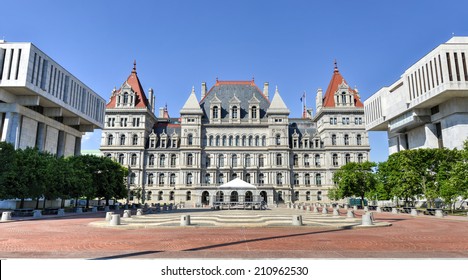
[(134, 83), (191, 106), (336, 81), (277, 105)]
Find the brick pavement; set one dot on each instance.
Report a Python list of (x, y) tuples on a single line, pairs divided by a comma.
[(73, 237)]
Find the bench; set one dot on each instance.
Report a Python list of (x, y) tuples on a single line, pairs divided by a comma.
[(432, 211), (372, 207), (407, 209), (23, 212), (50, 211), (386, 209)]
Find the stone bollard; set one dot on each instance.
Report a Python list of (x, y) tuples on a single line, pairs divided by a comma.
[(109, 216), (94, 210), (394, 210), (308, 208), (336, 212), (315, 209), (127, 214), (185, 220), (367, 219), (366, 209), (350, 214), (379, 210), (355, 207), (346, 207), (115, 220), (139, 212), (61, 212), (297, 220), (6, 216), (439, 213), (324, 210), (414, 212), (37, 214)]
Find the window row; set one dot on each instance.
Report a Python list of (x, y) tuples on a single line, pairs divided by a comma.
[(122, 140), (123, 122), (346, 140), (345, 120), (235, 112), (236, 141)]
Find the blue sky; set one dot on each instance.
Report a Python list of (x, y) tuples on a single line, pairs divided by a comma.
[(180, 44)]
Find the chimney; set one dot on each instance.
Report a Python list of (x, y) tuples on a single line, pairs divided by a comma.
[(319, 99), (265, 90), (161, 112), (151, 98), (203, 90)]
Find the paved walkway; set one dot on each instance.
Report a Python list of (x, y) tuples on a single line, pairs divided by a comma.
[(74, 237)]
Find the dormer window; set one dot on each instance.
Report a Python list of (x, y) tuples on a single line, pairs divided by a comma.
[(254, 112), (125, 98), (343, 97), (234, 112), (215, 112)]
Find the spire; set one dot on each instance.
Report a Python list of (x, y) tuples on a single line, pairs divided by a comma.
[(336, 66), (191, 106), (134, 66), (277, 105), (337, 81)]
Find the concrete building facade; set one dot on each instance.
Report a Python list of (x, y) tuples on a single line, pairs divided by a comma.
[(235, 130), (42, 104), (428, 106)]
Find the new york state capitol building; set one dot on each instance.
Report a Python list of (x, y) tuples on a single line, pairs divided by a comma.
[(235, 132)]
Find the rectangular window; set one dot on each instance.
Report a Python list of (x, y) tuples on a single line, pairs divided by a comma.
[(18, 64), (465, 73), (449, 66), (11, 63), (457, 69), (432, 74), (436, 72), (427, 78), (423, 80), (2, 62), (440, 70), (412, 85)]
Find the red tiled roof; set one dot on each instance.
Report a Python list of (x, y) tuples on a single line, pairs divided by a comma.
[(336, 81), (134, 83)]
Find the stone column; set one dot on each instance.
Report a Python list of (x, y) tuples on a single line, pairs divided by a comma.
[(185, 220), (115, 220), (350, 214), (297, 220), (37, 214), (109, 216), (6, 216), (367, 219)]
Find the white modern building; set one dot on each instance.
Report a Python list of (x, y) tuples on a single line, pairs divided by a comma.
[(428, 106), (42, 104), (233, 131)]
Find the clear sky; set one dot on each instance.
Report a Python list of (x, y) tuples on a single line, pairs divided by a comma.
[(180, 44)]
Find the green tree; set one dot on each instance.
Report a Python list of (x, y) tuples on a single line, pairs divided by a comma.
[(8, 165), (355, 179)]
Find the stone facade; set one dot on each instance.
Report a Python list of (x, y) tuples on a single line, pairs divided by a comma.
[(234, 131), (428, 106)]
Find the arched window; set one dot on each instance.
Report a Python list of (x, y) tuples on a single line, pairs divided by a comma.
[(247, 177), (263, 141), (125, 98), (335, 159), (307, 179), (234, 196), (318, 179), (132, 178), (233, 176), (247, 161), (190, 139), (334, 140), (188, 196), (359, 140), (109, 156), (278, 139), (296, 179), (306, 160), (279, 179), (250, 140), (133, 160), (360, 158), (217, 141), (208, 160), (110, 140), (261, 161), (244, 140), (234, 112), (135, 140), (207, 179), (254, 112), (296, 195), (230, 141), (257, 141), (248, 196), (237, 140), (149, 195), (279, 160), (171, 195), (317, 160), (343, 97), (261, 179), (162, 160), (295, 160), (347, 158), (308, 196), (220, 160), (215, 112), (150, 179), (121, 158), (173, 160), (172, 179), (122, 139), (189, 160), (319, 195), (161, 179), (224, 140), (160, 195), (210, 143), (346, 139), (234, 161), (151, 160), (189, 179)]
